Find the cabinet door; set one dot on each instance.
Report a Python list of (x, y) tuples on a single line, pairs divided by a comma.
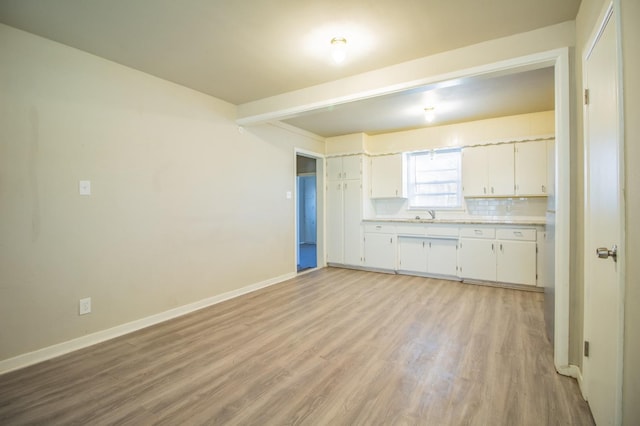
[(335, 222), (516, 262), (352, 196), (334, 168), (474, 172), (387, 176), (412, 254), (352, 167), (477, 259), (442, 258), (501, 169), (531, 168), (380, 251)]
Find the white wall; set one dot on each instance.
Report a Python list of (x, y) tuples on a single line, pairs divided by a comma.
[(183, 205)]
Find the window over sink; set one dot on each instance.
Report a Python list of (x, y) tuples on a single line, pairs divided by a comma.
[(434, 179)]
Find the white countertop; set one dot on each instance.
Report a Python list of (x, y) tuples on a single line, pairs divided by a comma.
[(467, 221)]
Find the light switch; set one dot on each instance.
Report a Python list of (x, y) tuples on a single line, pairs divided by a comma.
[(85, 187), (288, 195)]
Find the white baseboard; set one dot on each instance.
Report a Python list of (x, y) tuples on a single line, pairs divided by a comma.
[(53, 351), (575, 372)]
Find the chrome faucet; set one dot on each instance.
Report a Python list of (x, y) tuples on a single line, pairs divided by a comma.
[(432, 213)]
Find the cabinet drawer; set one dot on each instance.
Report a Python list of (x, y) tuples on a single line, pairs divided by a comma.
[(516, 234), (380, 228), (443, 231), (478, 232), (411, 229)]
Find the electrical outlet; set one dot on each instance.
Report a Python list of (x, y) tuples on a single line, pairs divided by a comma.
[(85, 306)]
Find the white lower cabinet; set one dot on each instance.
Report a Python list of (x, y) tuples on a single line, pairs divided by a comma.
[(507, 256), (442, 258), (483, 252), (516, 256), (412, 254), (380, 246), (437, 256), (477, 258)]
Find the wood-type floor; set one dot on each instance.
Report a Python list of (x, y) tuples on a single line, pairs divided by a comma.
[(332, 347)]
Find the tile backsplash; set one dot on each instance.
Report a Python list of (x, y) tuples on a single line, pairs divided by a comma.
[(488, 208)]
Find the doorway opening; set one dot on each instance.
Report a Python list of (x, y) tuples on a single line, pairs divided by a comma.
[(307, 212)]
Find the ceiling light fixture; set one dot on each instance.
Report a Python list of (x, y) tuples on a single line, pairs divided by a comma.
[(430, 114), (338, 49)]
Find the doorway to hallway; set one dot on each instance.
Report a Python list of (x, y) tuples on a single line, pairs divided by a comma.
[(307, 212)]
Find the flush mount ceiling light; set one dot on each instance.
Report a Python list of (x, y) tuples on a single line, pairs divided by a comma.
[(338, 49), (430, 114)]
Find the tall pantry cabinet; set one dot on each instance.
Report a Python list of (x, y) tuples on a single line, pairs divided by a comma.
[(344, 198)]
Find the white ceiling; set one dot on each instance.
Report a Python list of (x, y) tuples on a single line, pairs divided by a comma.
[(245, 50), (473, 99)]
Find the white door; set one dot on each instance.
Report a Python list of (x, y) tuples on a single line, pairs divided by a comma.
[(603, 296), (352, 202), (335, 222)]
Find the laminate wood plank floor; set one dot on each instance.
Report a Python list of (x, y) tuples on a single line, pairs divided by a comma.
[(331, 347)]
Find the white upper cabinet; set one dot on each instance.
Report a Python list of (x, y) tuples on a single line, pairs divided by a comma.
[(488, 171), (475, 173), (505, 170), (531, 168), (343, 168), (501, 170), (387, 176)]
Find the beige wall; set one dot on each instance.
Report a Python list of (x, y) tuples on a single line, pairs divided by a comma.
[(630, 31), (512, 128), (183, 207)]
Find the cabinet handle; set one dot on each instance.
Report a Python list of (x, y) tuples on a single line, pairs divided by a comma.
[(484, 189), (423, 244), (477, 231), (345, 186), (492, 189), (344, 175), (339, 187), (391, 240), (517, 233), (501, 248), (396, 192), (544, 189), (493, 247)]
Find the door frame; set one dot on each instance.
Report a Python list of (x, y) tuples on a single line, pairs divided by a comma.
[(557, 58), (320, 214), (610, 9)]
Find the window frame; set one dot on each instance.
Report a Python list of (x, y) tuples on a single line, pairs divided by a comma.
[(411, 182)]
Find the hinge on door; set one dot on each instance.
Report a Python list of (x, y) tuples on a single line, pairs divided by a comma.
[(586, 348), (586, 96)]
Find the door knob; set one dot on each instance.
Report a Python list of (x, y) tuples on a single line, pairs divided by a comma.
[(605, 253)]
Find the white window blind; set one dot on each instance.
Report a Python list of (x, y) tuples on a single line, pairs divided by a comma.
[(434, 179)]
